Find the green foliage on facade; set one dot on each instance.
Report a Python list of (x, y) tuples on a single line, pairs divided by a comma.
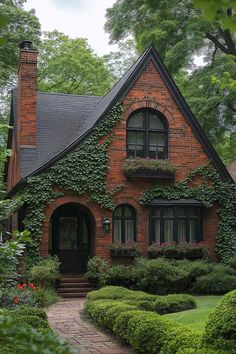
[(212, 191), (82, 171)]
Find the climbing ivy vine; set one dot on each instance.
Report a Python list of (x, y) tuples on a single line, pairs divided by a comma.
[(211, 191), (83, 170)]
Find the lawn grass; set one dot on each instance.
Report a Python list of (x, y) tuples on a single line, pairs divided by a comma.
[(196, 318)]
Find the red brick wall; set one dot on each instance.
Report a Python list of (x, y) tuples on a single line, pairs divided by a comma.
[(26, 110), (25, 131), (13, 173), (185, 152)]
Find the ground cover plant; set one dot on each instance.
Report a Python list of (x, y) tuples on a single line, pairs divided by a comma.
[(164, 276), (116, 309)]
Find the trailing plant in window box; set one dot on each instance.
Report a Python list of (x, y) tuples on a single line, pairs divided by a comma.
[(178, 251), (124, 249), (132, 166)]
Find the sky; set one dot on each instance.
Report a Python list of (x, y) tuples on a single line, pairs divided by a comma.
[(76, 18)]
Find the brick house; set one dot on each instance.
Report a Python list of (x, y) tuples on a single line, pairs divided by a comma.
[(156, 124)]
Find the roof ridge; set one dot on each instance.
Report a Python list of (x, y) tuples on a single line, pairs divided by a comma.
[(66, 94)]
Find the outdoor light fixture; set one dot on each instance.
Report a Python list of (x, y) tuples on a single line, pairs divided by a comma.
[(106, 224)]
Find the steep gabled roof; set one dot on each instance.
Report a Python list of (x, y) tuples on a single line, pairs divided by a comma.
[(86, 112)]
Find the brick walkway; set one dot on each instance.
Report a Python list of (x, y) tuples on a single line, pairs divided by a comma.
[(65, 319)]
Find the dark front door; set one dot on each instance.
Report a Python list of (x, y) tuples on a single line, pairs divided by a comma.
[(70, 238)]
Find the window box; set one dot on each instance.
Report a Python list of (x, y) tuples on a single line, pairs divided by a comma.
[(148, 168), (183, 250), (127, 249)]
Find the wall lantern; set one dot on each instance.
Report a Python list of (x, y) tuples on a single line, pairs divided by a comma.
[(106, 224)]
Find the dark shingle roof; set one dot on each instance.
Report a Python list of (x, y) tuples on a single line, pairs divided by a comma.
[(61, 119)]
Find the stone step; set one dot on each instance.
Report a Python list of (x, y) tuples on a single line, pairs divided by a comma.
[(74, 290), (73, 295), (73, 280), (74, 285)]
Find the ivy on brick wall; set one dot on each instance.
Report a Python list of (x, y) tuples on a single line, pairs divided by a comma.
[(82, 171), (211, 191)]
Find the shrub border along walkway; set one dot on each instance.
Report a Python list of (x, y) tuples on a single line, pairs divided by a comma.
[(65, 318)]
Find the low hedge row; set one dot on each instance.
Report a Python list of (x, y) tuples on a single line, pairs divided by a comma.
[(145, 331), (149, 332), (160, 304)]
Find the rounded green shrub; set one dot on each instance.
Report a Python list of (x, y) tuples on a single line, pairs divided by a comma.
[(203, 350), (232, 263), (29, 310), (97, 270), (174, 303), (216, 283), (121, 323), (109, 292), (220, 329), (34, 321), (146, 332), (99, 311), (113, 312), (179, 337), (18, 338)]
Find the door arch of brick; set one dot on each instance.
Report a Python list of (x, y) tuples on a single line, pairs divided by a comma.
[(90, 208)]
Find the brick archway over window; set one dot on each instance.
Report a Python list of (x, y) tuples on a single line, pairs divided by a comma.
[(147, 103), (49, 210)]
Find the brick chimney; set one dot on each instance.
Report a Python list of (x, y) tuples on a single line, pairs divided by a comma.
[(26, 100)]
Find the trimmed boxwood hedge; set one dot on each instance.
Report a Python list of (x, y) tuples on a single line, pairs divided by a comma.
[(141, 300), (221, 325), (145, 331), (150, 333)]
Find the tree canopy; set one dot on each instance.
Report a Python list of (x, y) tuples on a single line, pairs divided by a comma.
[(70, 66), (181, 32)]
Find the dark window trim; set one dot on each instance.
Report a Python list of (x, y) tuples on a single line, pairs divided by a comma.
[(123, 218), (146, 130), (175, 218)]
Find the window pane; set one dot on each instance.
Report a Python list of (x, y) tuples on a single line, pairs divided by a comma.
[(128, 211), (68, 233), (168, 230), (129, 230), (181, 211), (131, 138), (154, 121), (156, 237), (156, 138), (156, 212), (168, 211), (117, 230), (135, 141), (118, 211), (139, 138), (136, 121), (192, 230), (181, 231), (193, 211)]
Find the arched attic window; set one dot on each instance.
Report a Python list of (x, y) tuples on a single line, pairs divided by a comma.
[(147, 135)]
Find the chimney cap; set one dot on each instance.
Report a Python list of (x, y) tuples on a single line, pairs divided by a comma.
[(28, 45)]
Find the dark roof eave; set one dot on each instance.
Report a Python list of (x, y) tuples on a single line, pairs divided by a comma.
[(17, 187)]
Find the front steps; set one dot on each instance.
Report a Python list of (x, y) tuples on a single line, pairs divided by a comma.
[(73, 286)]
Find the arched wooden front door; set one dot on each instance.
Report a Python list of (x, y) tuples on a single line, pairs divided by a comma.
[(70, 230)]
